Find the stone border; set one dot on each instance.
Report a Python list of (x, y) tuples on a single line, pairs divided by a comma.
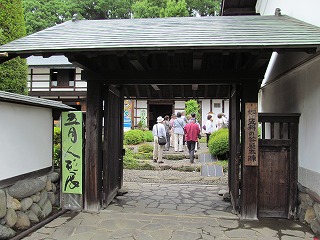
[(309, 208), (27, 202)]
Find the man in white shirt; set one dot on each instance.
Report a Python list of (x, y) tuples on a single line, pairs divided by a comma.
[(158, 130)]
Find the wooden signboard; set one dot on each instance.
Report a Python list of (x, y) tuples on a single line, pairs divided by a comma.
[(72, 152), (251, 135)]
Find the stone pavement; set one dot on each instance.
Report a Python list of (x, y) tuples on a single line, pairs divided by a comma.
[(152, 211)]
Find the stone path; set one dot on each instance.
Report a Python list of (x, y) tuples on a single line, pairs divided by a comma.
[(152, 211)]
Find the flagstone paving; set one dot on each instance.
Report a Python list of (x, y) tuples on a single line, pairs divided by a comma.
[(151, 211)]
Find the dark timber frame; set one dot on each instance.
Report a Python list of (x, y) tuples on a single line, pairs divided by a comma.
[(176, 58)]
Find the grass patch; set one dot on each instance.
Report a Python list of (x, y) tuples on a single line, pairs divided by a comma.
[(203, 139), (143, 156), (145, 148), (187, 169), (174, 156)]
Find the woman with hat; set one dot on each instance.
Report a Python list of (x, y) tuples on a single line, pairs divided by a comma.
[(158, 130)]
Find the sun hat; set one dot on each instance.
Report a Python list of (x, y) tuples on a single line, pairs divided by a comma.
[(160, 119)]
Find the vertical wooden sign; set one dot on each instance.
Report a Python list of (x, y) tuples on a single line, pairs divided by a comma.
[(251, 135), (71, 162)]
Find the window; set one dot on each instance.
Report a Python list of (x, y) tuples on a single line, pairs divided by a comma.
[(62, 77), (217, 105)]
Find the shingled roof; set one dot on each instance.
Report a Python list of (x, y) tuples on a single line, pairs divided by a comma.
[(33, 101), (227, 32)]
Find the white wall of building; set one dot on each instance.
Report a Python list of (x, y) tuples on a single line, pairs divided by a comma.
[(296, 90), (306, 10), (25, 139)]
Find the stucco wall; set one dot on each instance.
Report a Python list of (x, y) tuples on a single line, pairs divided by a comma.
[(25, 139), (306, 10), (292, 85)]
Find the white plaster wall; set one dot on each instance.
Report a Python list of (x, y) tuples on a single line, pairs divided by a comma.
[(297, 90), (179, 105), (306, 10), (25, 139)]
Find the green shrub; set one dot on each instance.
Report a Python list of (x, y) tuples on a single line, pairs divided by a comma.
[(148, 137), (13, 73), (145, 148), (133, 137), (219, 143), (56, 146), (129, 162)]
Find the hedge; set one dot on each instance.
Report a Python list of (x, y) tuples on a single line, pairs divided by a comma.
[(219, 143)]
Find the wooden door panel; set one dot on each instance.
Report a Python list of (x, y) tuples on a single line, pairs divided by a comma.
[(273, 181), (112, 148)]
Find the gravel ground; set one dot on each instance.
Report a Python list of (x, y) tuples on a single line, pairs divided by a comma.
[(171, 176), (162, 175)]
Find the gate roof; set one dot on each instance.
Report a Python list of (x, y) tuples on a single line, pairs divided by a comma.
[(226, 32), (203, 55)]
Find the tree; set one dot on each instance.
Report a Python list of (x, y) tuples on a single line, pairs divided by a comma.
[(41, 14), (175, 9), (145, 9), (203, 7), (13, 73), (159, 8), (102, 9), (192, 106)]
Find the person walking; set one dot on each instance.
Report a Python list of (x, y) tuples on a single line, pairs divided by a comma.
[(209, 127), (178, 125), (173, 117), (158, 130), (193, 115), (221, 121), (167, 126), (191, 131)]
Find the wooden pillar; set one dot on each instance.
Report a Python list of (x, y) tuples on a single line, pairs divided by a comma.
[(249, 179), (234, 143), (93, 154), (121, 111)]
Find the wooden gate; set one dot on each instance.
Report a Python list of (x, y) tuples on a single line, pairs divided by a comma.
[(112, 145), (234, 143), (278, 165)]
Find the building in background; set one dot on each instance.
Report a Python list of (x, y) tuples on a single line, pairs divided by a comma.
[(56, 78)]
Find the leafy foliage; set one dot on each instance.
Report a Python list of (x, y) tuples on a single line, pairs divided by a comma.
[(13, 73), (130, 161), (41, 14), (192, 106), (148, 137), (159, 8), (203, 7), (133, 137), (145, 148), (57, 147), (175, 9), (147, 9), (219, 142)]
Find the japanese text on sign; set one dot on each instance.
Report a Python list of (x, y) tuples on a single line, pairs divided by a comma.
[(251, 134), (71, 162)]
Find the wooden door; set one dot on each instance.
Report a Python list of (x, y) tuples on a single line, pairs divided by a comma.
[(113, 143), (234, 143), (274, 185)]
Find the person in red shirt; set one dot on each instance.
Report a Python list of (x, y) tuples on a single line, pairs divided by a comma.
[(191, 131)]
